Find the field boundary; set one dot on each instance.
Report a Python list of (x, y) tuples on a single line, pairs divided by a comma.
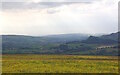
[(59, 74)]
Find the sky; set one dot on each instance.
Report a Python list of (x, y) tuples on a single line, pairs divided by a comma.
[(45, 17)]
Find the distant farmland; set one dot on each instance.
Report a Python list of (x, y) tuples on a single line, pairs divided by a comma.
[(30, 63)]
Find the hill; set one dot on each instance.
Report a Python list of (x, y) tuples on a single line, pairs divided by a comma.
[(103, 45), (99, 40), (61, 44), (32, 44), (113, 36)]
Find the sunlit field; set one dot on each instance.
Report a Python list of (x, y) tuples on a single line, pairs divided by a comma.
[(28, 63)]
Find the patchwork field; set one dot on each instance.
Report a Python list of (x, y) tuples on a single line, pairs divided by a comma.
[(30, 63)]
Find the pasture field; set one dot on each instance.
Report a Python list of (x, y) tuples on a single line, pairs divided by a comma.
[(31, 63)]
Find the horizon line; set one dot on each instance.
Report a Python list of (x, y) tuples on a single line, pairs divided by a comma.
[(14, 34)]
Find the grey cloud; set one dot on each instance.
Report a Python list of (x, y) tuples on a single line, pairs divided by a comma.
[(24, 5), (40, 5), (13, 5), (49, 0), (99, 21), (52, 11)]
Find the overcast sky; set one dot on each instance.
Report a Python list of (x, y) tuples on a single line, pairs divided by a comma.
[(42, 17)]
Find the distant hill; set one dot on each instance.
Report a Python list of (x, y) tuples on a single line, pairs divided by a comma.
[(61, 38), (65, 37), (61, 44), (17, 42), (99, 40), (113, 36), (104, 39), (101, 45)]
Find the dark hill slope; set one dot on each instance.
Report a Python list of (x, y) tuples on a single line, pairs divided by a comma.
[(113, 36), (19, 42), (99, 40), (60, 44)]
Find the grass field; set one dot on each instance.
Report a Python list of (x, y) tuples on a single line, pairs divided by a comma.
[(21, 63)]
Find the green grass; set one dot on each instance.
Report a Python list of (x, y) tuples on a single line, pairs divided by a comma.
[(30, 63)]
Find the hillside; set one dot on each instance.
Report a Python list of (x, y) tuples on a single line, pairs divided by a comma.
[(60, 44), (103, 45), (61, 38), (99, 40), (113, 36), (22, 43), (65, 37)]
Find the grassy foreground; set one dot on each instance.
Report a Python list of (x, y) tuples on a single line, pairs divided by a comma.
[(30, 63)]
